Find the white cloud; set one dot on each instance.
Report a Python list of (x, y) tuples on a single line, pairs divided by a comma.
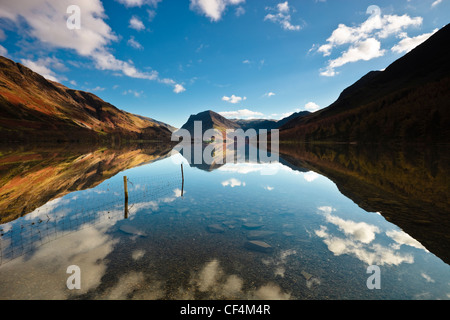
[(213, 9), (364, 50), (136, 24), (43, 65), (435, 3), (239, 11), (241, 114), (3, 51), (135, 93), (269, 94), (179, 88), (139, 3), (311, 107), (234, 99), (46, 24), (281, 15), (407, 44), (364, 39), (133, 43)]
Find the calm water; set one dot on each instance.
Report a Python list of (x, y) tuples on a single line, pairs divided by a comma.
[(192, 240)]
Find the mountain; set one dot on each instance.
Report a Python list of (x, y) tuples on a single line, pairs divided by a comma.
[(33, 108), (407, 102), (211, 119)]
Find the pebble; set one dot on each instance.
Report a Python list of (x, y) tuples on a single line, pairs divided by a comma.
[(252, 226)]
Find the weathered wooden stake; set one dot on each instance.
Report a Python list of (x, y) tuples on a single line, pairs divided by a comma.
[(125, 187), (182, 180)]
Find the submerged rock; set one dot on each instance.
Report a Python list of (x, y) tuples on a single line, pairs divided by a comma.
[(215, 228), (258, 246), (252, 226), (306, 275), (132, 230), (259, 234)]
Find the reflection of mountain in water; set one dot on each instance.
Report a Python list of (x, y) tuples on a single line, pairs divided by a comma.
[(408, 187), (212, 156), (30, 177)]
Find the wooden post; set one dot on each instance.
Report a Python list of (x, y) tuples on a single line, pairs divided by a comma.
[(125, 187), (182, 180)]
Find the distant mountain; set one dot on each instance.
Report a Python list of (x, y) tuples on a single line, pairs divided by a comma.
[(33, 108), (407, 102), (211, 119)]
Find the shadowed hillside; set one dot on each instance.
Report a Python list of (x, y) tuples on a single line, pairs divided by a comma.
[(408, 102)]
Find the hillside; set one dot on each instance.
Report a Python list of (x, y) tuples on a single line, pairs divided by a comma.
[(407, 102), (33, 108)]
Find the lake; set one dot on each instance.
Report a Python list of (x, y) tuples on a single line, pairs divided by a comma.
[(321, 222)]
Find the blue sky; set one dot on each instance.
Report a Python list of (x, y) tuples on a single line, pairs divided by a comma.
[(168, 59)]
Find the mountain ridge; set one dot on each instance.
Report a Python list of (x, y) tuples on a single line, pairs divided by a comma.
[(34, 108), (407, 102)]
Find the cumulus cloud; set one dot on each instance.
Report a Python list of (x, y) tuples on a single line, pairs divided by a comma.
[(133, 43), (364, 40), (3, 51), (136, 24), (43, 67), (311, 107), (139, 3), (281, 14), (214, 9), (179, 88), (241, 114), (46, 21), (233, 99), (407, 44)]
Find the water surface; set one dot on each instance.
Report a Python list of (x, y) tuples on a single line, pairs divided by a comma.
[(324, 216)]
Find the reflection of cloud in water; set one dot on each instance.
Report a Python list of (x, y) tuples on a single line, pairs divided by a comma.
[(279, 262), (52, 207), (133, 285), (374, 254), (426, 277), (154, 204), (249, 167), (233, 183), (359, 241), (216, 284), (86, 248), (310, 176), (402, 238), (360, 231), (137, 254)]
